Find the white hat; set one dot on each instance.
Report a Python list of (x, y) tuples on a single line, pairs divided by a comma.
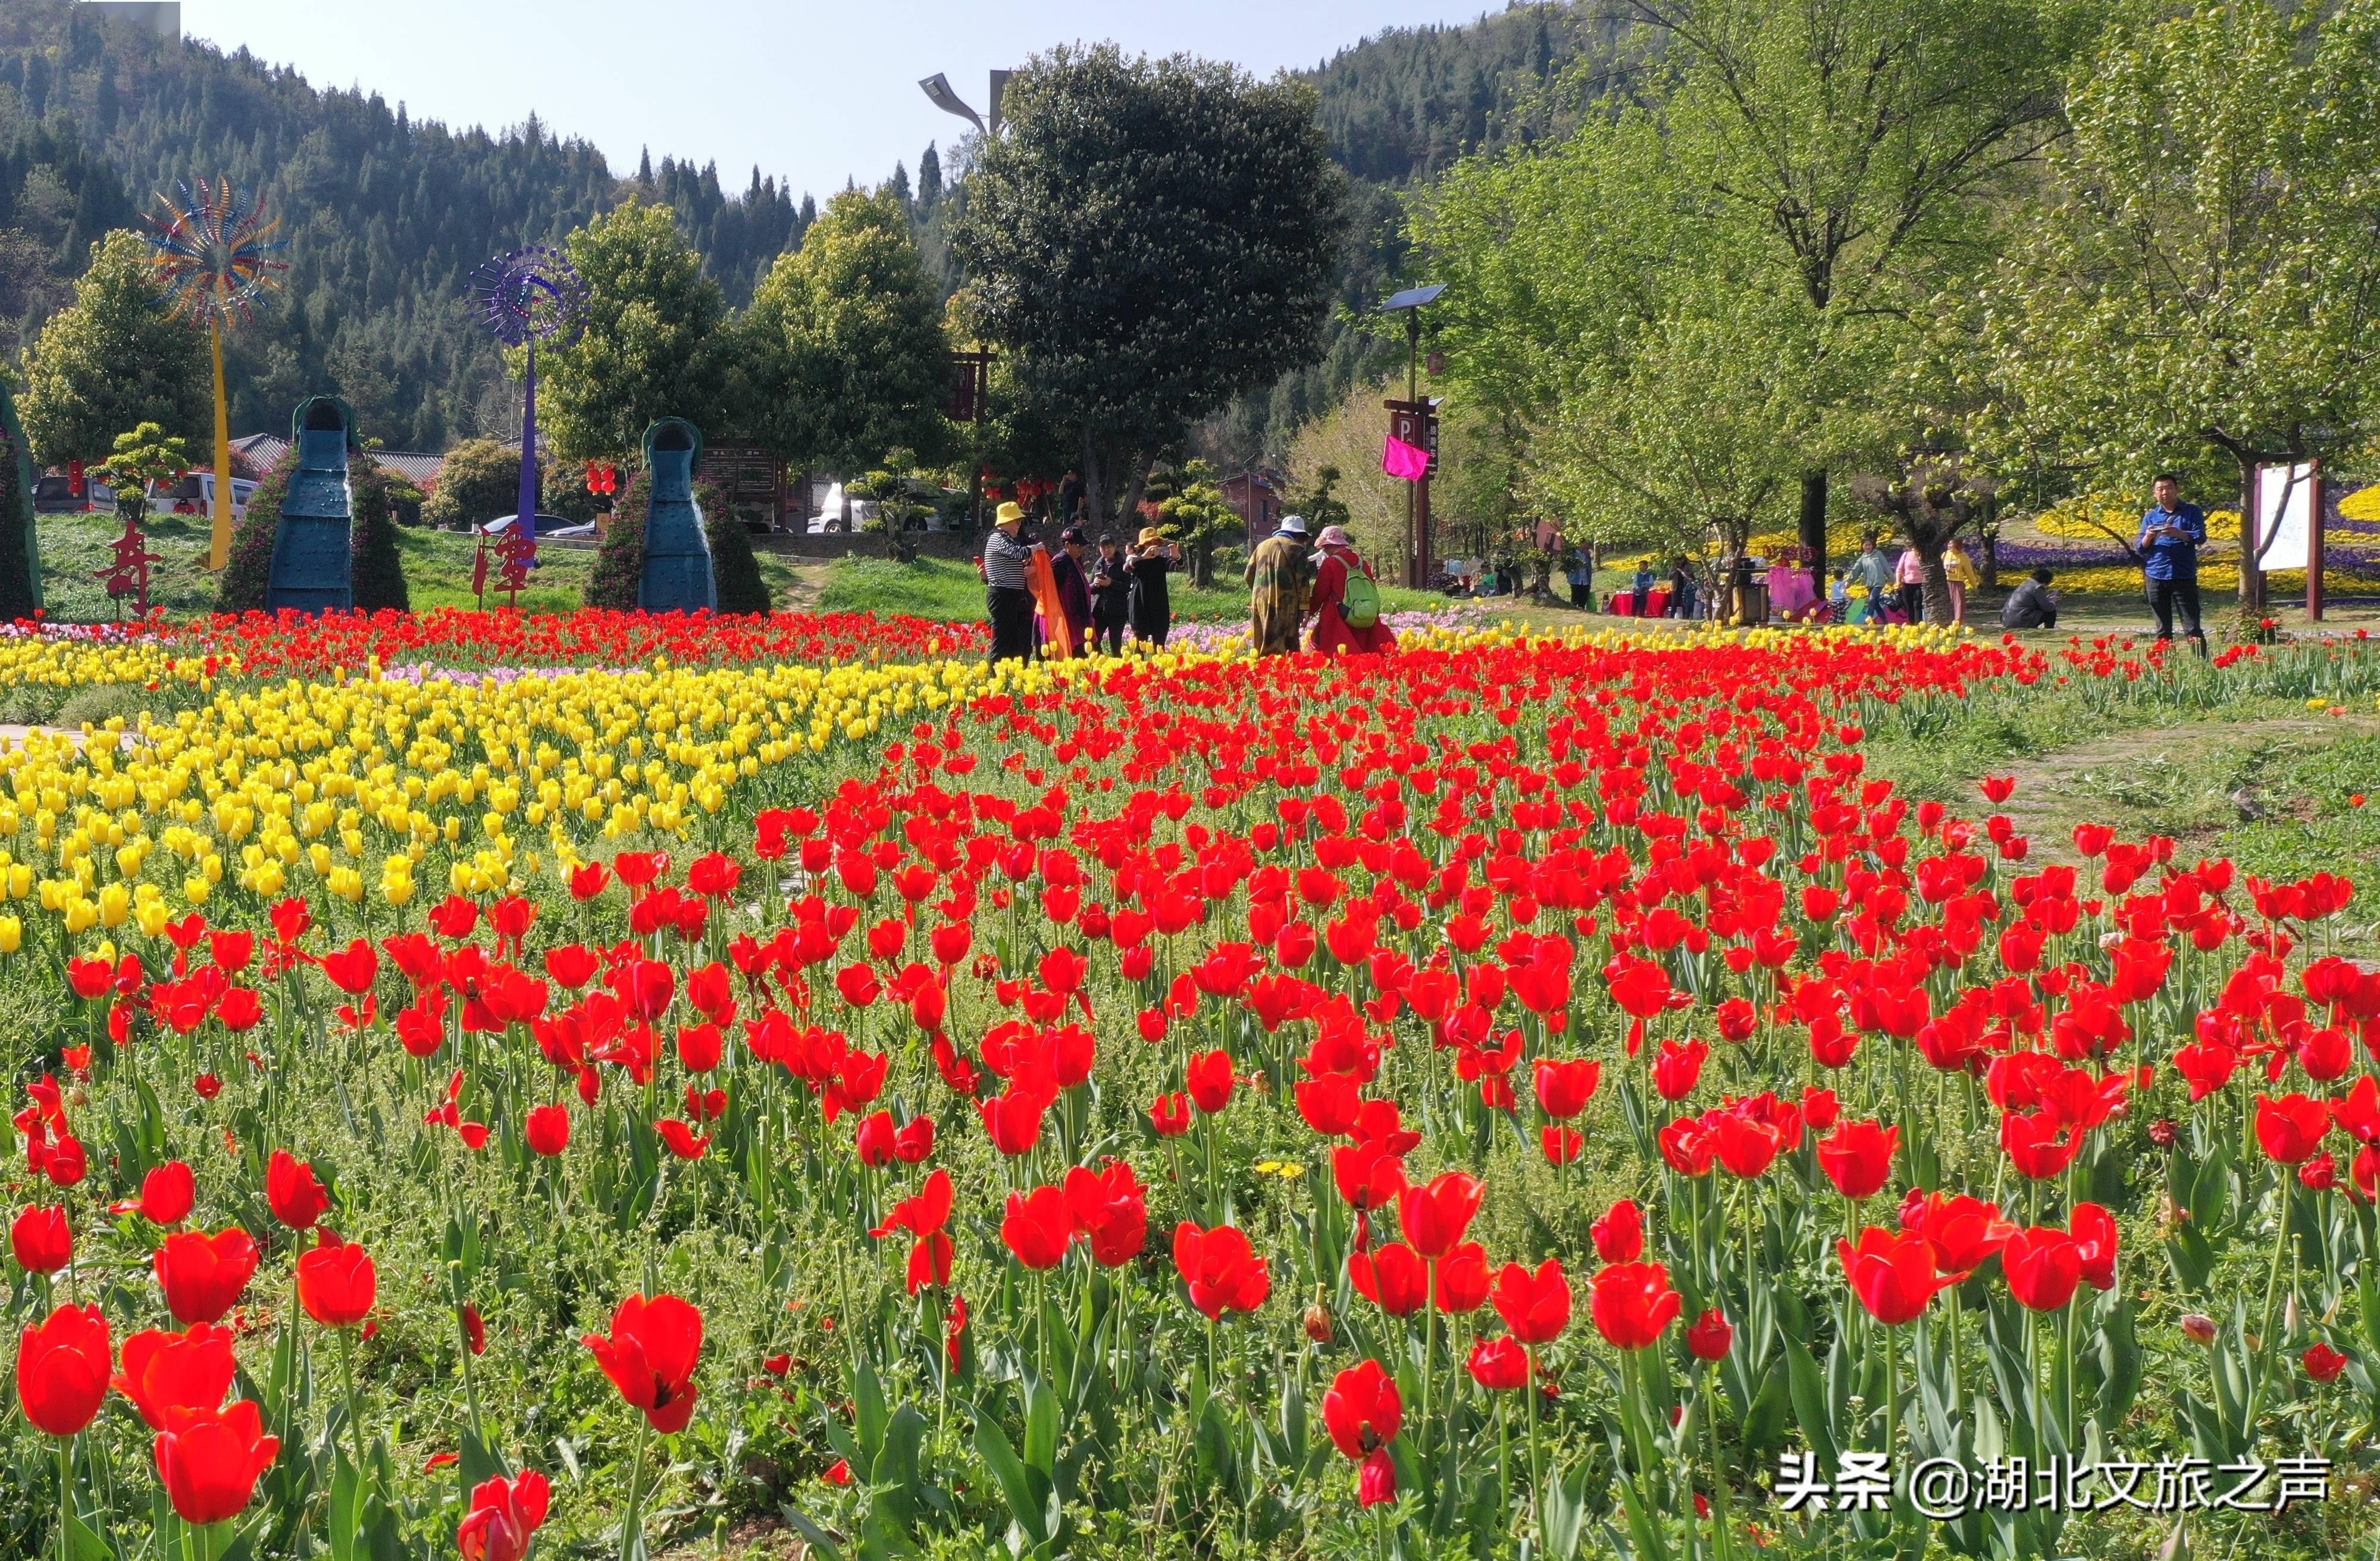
[(1295, 525)]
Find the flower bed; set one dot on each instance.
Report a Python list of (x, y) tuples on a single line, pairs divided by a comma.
[(1511, 1091)]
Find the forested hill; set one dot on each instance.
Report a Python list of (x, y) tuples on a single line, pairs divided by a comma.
[(385, 215), (1403, 104)]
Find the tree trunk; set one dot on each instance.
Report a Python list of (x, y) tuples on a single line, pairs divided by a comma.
[(1814, 520), (1987, 542), (1937, 578), (2252, 542)]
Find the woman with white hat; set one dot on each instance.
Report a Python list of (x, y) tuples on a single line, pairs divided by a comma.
[(1347, 613)]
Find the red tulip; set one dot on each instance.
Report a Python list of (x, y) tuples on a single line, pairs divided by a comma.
[(209, 1461), (336, 1282), (2094, 1244), (167, 1372), (1632, 1303), (2321, 1362), (650, 1356), (1894, 1276), (1434, 1217), (1677, 1068), (1620, 1233), (1362, 1410), (354, 968), (167, 1192), (1110, 1209), (1857, 1157), (2038, 1145), (1534, 1305), (2291, 1129), (1562, 1145), (1461, 1279), (915, 1141), (295, 1198), (1565, 1088), (1013, 1119), (1747, 1145), (1210, 1078), (1170, 1115), (1710, 1336), (681, 1139), (1392, 1278), (1039, 1227), (1220, 1268), (547, 1129), (2042, 1268), (873, 1140), (1500, 1365), (502, 1515), (41, 1239), (62, 1368), (1964, 1229), (203, 1275)]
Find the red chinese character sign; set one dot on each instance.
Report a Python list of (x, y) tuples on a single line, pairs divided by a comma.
[(515, 556), (128, 573)]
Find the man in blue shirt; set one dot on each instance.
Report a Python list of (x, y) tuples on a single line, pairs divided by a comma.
[(2172, 535)]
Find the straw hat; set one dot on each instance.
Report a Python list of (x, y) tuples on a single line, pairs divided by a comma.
[(1149, 534)]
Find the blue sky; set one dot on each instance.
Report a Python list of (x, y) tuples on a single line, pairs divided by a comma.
[(812, 92)]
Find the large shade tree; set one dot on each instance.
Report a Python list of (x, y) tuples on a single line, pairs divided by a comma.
[(1150, 237), (1852, 146), (112, 359), (652, 347), (845, 354), (2207, 270)]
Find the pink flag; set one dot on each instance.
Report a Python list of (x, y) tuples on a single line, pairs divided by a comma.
[(1408, 461)]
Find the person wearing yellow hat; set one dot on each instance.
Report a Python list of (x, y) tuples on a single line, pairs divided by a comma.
[(1153, 555), (1008, 599)]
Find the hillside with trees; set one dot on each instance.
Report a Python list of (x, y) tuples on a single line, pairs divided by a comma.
[(386, 214)]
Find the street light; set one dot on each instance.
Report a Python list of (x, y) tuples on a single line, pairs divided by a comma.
[(1419, 419), (940, 93)]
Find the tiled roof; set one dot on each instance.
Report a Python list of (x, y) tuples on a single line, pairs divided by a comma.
[(257, 454)]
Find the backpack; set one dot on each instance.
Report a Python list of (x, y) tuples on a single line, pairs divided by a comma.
[(1361, 605)]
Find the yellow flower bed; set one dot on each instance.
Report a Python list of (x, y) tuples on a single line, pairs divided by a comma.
[(2361, 504), (2085, 520), (358, 788), (2214, 574)]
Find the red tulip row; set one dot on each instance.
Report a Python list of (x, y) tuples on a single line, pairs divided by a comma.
[(1535, 961)]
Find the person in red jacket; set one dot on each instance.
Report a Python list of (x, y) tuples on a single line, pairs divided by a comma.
[(1336, 559)]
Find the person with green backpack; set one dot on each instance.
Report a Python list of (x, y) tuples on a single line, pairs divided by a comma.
[(1347, 611)]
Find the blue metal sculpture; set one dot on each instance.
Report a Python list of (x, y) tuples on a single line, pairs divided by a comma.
[(525, 297), (311, 555), (677, 576)]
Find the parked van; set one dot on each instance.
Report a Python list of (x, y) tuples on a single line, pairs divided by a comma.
[(197, 491)]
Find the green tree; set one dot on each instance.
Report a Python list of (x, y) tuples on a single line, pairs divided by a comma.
[(112, 359), (480, 481), (844, 344), (734, 570), (375, 565), (248, 574), (1852, 147), (1149, 238), (2205, 269), (1198, 516), (652, 348), (146, 455)]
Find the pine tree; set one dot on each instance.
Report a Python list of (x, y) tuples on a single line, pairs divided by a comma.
[(930, 180)]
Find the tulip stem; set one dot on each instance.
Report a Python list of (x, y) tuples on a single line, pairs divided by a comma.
[(1719, 1467), (632, 1519), (1536, 1456), (65, 1498), (355, 1407)]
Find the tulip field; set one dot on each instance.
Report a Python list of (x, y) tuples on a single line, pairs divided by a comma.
[(488, 1086)]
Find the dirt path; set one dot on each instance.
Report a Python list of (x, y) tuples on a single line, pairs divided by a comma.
[(2176, 778)]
